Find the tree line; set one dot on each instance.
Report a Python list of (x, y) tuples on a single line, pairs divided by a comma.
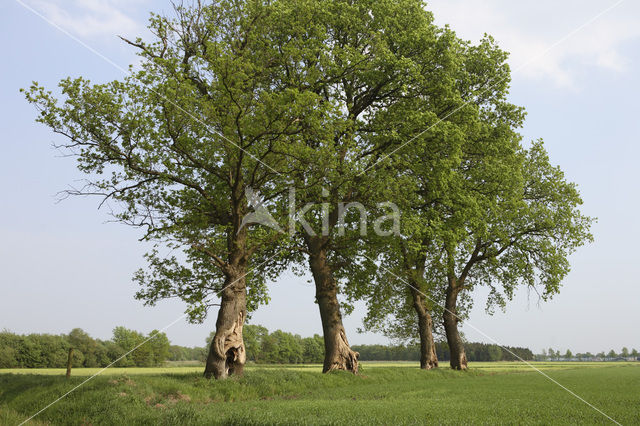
[(263, 347), (281, 347), (51, 351), (356, 141), (475, 352), (556, 355)]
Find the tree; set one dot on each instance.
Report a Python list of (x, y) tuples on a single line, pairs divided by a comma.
[(126, 340), (313, 349), (612, 354), (160, 345), (8, 350), (178, 353), (568, 355), (433, 168), (624, 353), (179, 144), (92, 351), (254, 336), (495, 353), (281, 347), (509, 224), (379, 60), (634, 353)]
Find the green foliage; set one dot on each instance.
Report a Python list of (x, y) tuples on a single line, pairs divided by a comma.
[(279, 347), (33, 350), (478, 208), (49, 351), (253, 336), (159, 344), (178, 143), (95, 353), (313, 349), (387, 74), (182, 353)]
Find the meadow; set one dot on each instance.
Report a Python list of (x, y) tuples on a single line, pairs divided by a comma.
[(384, 393)]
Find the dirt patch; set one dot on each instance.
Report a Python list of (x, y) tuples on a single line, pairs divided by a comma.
[(171, 398), (162, 401)]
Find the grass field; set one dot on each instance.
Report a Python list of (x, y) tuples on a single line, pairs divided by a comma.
[(197, 368), (385, 393)]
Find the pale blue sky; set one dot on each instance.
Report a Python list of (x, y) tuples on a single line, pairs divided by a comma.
[(62, 266)]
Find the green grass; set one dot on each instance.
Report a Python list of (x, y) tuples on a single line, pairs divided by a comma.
[(385, 393)]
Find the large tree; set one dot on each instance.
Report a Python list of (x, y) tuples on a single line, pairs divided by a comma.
[(375, 60), (469, 216), (179, 144), (517, 229), (513, 223), (476, 120)]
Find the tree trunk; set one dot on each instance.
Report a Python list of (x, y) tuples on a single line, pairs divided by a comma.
[(456, 347), (69, 362), (227, 353), (428, 356), (338, 355)]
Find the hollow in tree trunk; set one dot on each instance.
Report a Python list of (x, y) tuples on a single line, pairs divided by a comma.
[(428, 356), (456, 347), (227, 353), (338, 355)]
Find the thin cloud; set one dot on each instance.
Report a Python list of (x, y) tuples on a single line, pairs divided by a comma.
[(91, 18), (526, 29)]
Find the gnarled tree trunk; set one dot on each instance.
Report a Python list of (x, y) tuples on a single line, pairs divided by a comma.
[(338, 355), (456, 347), (428, 356), (227, 353)]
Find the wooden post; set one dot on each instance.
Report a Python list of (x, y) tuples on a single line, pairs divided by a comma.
[(69, 361)]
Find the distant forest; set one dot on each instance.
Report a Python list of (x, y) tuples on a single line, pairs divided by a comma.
[(262, 346)]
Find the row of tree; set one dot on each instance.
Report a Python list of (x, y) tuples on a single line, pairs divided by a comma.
[(51, 351), (556, 355), (183, 353), (278, 347), (475, 352), (258, 136)]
